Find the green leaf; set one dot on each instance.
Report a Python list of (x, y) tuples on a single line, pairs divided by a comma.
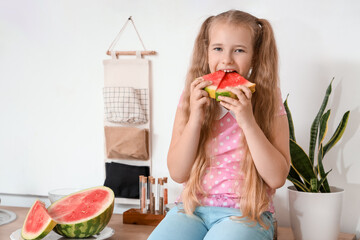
[(321, 171), (316, 170), (314, 184), (315, 124), (338, 132), (300, 186), (323, 126), (321, 182), (290, 121), (293, 175), (301, 162)]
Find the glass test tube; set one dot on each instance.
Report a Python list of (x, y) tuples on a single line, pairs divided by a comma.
[(160, 194), (148, 195), (165, 191), (152, 195), (142, 192)]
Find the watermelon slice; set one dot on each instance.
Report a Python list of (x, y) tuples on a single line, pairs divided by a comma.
[(221, 80), (84, 213), (38, 222)]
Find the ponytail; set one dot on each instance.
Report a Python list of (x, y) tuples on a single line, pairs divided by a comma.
[(199, 66), (255, 196), (265, 75)]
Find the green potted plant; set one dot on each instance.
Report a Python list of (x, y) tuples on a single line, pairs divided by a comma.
[(315, 206)]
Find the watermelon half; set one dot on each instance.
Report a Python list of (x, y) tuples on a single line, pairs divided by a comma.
[(84, 213), (221, 80), (38, 222)]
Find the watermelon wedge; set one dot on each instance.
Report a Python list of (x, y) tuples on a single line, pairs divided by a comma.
[(38, 222), (84, 213), (221, 80)]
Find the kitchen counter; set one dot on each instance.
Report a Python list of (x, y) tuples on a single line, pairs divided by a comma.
[(126, 231)]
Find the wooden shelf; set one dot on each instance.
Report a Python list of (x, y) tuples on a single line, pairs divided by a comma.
[(117, 53), (127, 201)]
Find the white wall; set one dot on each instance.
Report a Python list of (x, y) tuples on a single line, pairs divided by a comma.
[(51, 78)]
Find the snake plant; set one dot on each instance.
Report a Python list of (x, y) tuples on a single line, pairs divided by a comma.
[(306, 173)]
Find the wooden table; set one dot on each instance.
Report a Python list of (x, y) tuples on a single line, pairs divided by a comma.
[(122, 231), (126, 231)]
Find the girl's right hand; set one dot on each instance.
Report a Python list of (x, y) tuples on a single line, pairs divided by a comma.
[(199, 99)]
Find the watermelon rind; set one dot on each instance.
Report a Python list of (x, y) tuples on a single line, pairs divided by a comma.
[(42, 232), (211, 91), (86, 227), (251, 86), (225, 94)]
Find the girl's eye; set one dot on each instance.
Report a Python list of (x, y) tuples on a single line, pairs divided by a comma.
[(239, 50), (217, 49)]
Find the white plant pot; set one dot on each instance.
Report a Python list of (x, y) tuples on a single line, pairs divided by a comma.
[(315, 216)]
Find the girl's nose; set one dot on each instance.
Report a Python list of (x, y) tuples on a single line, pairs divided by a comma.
[(227, 59)]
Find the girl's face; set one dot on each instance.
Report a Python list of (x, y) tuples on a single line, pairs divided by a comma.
[(230, 48)]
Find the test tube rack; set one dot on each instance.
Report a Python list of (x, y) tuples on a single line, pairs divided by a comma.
[(146, 213), (135, 216)]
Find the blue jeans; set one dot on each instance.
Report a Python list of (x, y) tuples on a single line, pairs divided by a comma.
[(210, 223)]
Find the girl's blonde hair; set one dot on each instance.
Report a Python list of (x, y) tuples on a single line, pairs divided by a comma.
[(254, 192)]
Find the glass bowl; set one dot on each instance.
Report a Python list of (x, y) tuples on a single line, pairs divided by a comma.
[(56, 194)]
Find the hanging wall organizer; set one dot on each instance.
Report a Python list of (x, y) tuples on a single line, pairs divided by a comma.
[(127, 120)]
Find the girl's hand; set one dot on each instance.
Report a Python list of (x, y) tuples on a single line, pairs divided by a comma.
[(241, 107), (199, 99)]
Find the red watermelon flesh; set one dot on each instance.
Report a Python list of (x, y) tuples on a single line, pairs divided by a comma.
[(221, 80), (38, 222), (84, 213), (215, 77), (233, 79), (79, 206)]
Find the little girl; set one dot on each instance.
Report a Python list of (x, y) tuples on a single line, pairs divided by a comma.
[(231, 155)]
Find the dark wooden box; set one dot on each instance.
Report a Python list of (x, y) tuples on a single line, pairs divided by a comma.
[(134, 216)]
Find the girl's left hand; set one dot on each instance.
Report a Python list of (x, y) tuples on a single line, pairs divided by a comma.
[(241, 107)]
